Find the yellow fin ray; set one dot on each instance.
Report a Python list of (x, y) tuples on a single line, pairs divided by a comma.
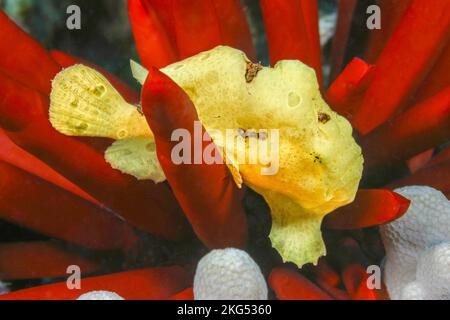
[(137, 157), (84, 103), (295, 232)]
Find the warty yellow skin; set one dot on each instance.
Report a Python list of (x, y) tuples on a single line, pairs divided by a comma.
[(319, 162)]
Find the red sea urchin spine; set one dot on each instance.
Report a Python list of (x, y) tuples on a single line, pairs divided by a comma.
[(355, 278), (336, 293), (36, 204), (310, 10), (286, 30), (143, 284), (420, 160), (190, 27), (288, 34), (435, 173), (438, 79), (370, 208), (144, 204), (14, 155), (441, 157), (392, 12), (290, 285), (345, 93), (23, 115), (234, 28), (200, 25), (22, 56), (197, 26), (423, 126), (39, 259), (164, 11), (325, 273), (328, 279), (354, 273), (405, 61), (152, 41), (187, 294), (206, 192), (346, 11), (436, 176)]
